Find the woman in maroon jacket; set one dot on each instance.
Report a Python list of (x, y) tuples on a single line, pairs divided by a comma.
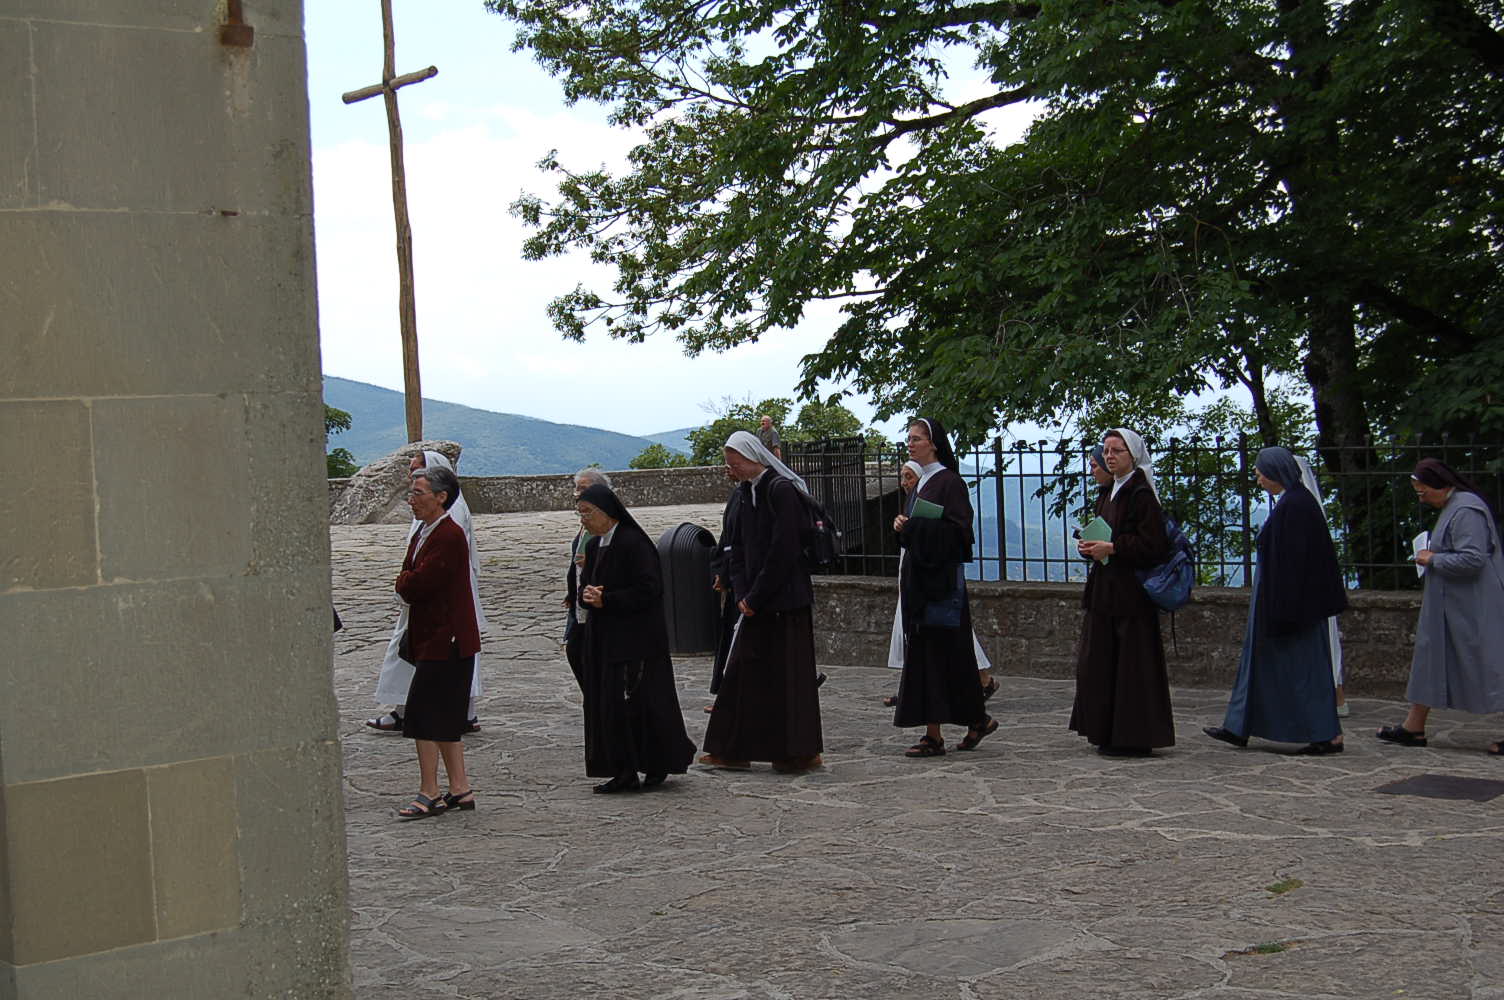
[(441, 641)]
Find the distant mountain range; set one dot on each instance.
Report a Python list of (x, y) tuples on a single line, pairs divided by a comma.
[(496, 444)]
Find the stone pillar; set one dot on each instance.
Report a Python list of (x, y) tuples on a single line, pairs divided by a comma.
[(170, 811)]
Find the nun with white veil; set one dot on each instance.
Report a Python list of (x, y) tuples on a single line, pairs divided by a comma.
[(910, 474), (1333, 636), (396, 673), (1122, 703), (767, 707)]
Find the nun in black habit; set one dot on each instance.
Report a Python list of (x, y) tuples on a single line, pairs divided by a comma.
[(632, 720), (767, 707), (1122, 703), (720, 571), (939, 683), (1284, 689)]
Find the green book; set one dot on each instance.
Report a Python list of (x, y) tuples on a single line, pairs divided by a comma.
[(1098, 531), (923, 508)]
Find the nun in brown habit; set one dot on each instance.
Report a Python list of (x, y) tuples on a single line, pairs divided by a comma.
[(1122, 702)]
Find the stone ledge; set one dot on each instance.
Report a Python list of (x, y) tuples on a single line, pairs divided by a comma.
[(636, 487), (1031, 629)]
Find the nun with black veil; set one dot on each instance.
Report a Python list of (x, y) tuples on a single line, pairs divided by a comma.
[(1284, 690), (939, 684), (632, 720)]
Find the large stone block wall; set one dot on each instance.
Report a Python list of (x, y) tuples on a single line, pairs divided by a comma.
[(1031, 629), (170, 818)]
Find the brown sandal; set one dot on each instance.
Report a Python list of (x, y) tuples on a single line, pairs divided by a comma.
[(926, 747)]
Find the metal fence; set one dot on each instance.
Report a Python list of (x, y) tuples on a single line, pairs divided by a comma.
[(1030, 498)]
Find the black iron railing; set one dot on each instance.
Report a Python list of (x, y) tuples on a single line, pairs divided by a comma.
[(1029, 498)]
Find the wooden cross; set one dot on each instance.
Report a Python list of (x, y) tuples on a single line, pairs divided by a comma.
[(406, 304)]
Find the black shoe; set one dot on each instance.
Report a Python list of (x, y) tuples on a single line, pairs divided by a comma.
[(1319, 749), (655, 779), (819, 679), (1225, 735), (472, 725), (1404, 737), (1111, 751), (620, 783)]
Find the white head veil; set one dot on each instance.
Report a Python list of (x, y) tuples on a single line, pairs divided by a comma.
[(459, 513), (1333, 636), (1139, 452), (746, 444)]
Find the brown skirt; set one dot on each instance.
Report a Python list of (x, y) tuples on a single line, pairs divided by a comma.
[(1122, 684)]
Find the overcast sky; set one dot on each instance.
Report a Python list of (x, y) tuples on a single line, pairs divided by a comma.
[(473, 137)]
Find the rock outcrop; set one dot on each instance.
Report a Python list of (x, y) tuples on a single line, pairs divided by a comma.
[(377, 494)]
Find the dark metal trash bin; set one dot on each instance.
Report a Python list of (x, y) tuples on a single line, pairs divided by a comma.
[(690, 605)]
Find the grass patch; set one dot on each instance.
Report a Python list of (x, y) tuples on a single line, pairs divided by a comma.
[(1266, 948), (1283, 886)]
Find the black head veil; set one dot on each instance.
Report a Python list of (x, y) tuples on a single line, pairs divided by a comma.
[(602, 498), (944, 454)]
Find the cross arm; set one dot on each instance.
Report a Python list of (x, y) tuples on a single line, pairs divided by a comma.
[(397, 81)]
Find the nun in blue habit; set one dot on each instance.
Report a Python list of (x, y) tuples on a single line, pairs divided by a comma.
[(1284, 688)]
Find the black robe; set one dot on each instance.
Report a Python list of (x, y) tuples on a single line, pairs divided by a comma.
[(572, 634), (1122, 683), (720, 566), (632, 717), (767, 707), (1299, 580), (939, 683)]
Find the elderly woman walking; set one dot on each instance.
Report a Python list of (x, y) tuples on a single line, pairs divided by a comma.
[(441, 641), (1122, 703), (632, 720), (1284, 691), (396, 673), (1459, 641)]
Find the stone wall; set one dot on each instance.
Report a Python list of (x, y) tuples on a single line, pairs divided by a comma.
[(636, 487), (171, 819), (1031, 629)]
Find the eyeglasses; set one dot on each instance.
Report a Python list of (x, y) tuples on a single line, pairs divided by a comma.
[(420, 493)]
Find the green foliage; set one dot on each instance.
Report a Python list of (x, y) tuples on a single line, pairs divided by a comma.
[(335, 420), (1211, 194), (1283, 886), (816, 421), (658, 456), (339, 461), (731, 415)]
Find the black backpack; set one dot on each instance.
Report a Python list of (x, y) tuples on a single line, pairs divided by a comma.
[(819, 538)]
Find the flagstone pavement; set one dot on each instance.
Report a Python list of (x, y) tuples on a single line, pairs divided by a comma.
[(1030, 868)]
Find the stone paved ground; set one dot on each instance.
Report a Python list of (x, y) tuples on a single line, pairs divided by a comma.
[(1030, 868)]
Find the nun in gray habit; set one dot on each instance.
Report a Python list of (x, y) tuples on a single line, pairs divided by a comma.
[(1459, 640), (1284, 689)]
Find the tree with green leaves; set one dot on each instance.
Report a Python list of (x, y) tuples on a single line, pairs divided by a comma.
[(1211, 193), (658, 456), (339, 460)]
